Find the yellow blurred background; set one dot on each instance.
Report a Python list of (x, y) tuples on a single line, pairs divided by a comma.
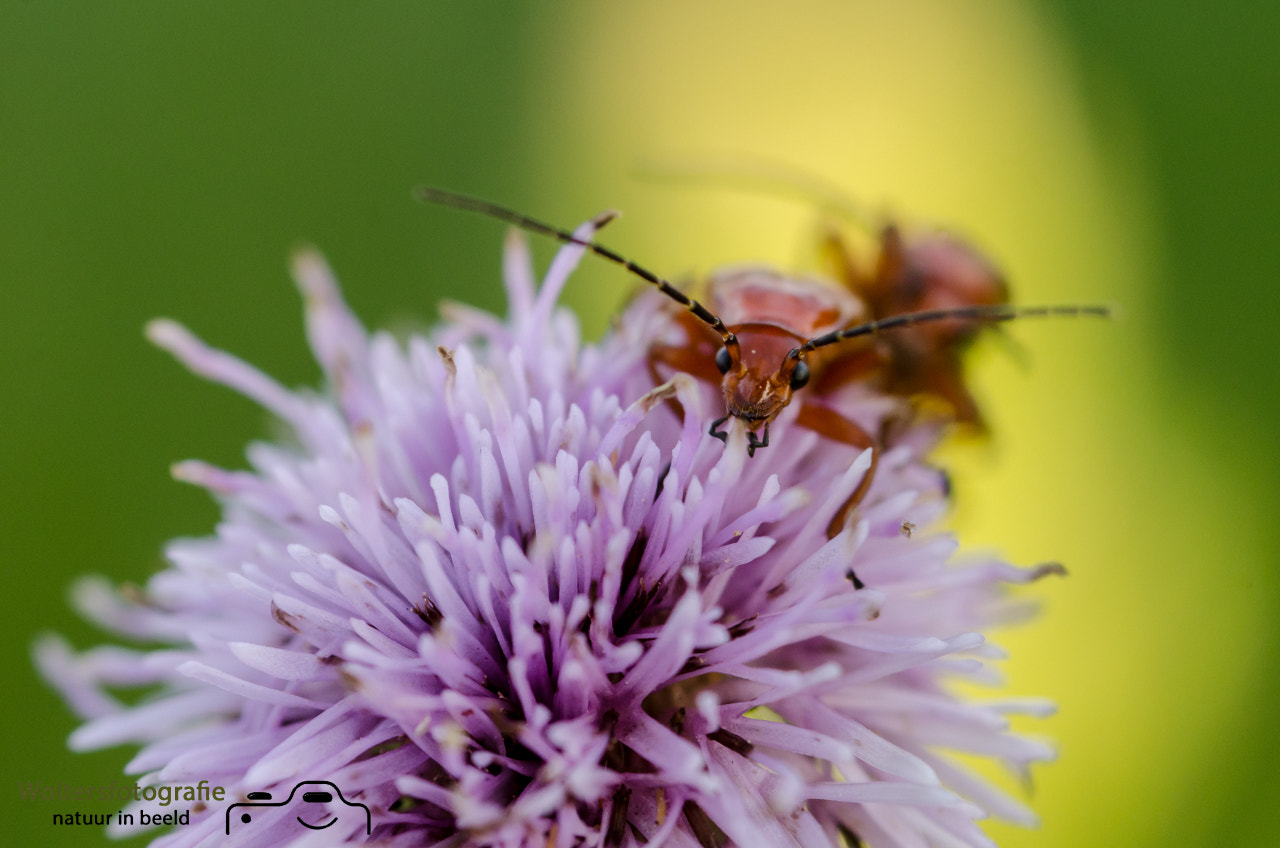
[(973, 115), (162, 160)]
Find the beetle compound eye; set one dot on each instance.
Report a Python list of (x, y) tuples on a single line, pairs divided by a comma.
[(724, 360), (800, 375)]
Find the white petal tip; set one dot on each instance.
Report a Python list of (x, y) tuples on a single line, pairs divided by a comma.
[(169, 335), (50, 648), (304, 253), (192, 471), (311, 273)]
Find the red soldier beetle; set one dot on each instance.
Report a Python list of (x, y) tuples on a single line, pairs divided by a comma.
[(782, 332), (920, 273), (914, 271)]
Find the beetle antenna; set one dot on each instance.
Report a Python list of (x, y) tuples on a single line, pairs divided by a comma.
[(992, 313), (430, 194)]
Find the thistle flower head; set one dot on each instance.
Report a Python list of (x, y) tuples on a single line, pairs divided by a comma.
[(504, 591)]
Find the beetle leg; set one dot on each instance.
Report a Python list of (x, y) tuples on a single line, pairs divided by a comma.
[(696, 359), (835, 426), (836, 258), (871, 285), (718, 433)]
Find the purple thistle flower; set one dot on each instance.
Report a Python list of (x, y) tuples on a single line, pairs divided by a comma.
[(504, 592)]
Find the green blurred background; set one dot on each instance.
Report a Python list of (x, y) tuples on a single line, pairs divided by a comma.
[(161, 159)]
